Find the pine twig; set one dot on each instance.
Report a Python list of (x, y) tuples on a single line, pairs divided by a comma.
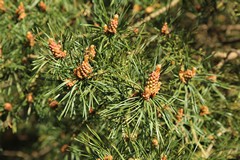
[(210, 147), (155, 14), (230, 28), (27, 156), (195, 138), (18, 154), (226, 56)]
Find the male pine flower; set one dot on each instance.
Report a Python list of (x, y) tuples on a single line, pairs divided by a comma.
[(30, 38), (21, 12), (8, 106), (42, 6), (90, 51), (108, 157), (112, 27), (165, 30), (204, 110), (84, 69), (180, 115), (29, 97), (56, 49), (185, 76), (153, 84), (2, 7), (70, 83), (53, 103)]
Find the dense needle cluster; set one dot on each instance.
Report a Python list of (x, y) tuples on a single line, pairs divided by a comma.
[(153, 84), (112, 27), (185, 76), (56, 49), (21, 12)]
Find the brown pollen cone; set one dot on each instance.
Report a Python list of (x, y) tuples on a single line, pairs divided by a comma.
[(91, 110), (165, 30), (8, 106), (149, 9), (204, 110), (70, 83), (185, 76), (90, 51), (212, 78), (30, 97), (64, 148), (21, 12), (164, 157), (109, 157), (83, 70), (112, 27), (2, 7), (180, 114), (56, 49), (42, 6), (30, 38), (154, 142), (53, 104), (153, 84), (136, 8)]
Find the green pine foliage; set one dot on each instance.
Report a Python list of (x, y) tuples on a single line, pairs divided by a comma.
[(74, 105)]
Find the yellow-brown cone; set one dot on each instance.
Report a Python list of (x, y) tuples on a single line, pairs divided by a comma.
[(153, 84)]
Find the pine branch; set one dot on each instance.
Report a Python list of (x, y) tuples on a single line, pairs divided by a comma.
[(156, 14)]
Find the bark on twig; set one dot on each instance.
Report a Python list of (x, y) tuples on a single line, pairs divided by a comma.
[(27, 156), (157, 13), (226, 56)]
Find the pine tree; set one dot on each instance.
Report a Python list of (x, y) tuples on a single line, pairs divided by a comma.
[(109, 80)]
